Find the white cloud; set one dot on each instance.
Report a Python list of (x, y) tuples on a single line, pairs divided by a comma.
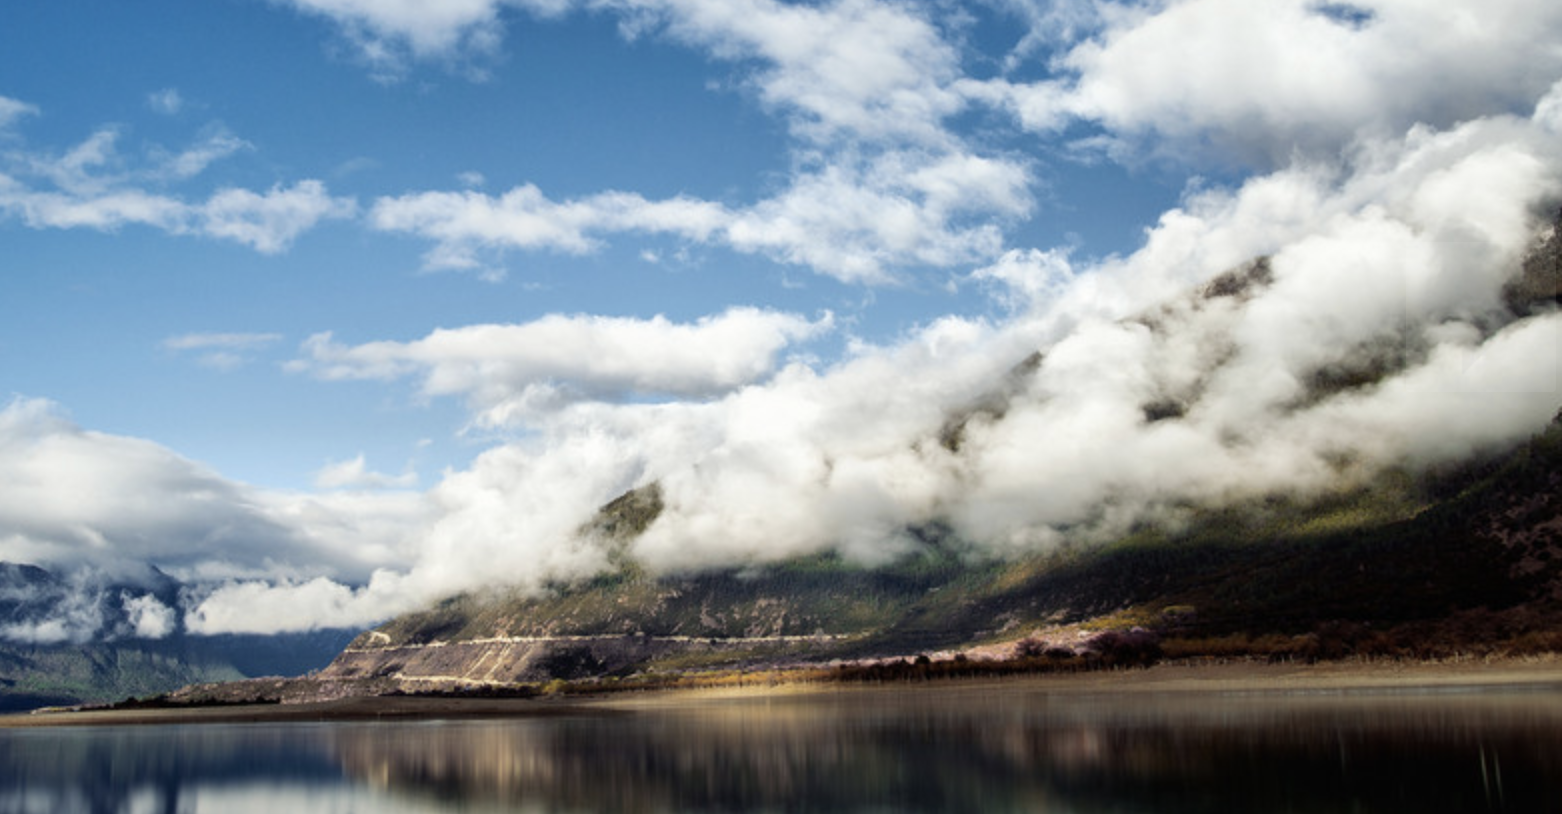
[(73, 497), (1403, 198), (230, 341), (1255, 82), (12, 110), (221, 351), (880, 182), (855, 221), (388, 34), (1148, 396), (194, 160), (149, 618), (863, 223), (511, 372), (354, 473), (92, 186), (167, 101), (464, 224), (859, 70), (269, 222), (106, 211)]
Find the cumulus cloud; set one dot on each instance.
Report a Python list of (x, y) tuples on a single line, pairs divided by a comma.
[(268, 222), (511, 372), (148, 617), (1254, 83)]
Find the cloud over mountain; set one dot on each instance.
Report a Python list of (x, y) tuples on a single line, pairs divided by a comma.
[(1337, 299)]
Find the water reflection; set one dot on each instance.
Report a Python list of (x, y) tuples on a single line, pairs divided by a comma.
[(957, 748)]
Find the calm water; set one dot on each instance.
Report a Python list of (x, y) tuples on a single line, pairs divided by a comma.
[(959, 748)]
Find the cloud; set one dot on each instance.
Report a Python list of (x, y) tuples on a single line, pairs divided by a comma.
[(387, 36), (268, 222), (167, 101), (355, 474), (12, 110), (1231, 81), (880, 182), (92, 186), (72, 497), (857, 222), (149, 618), (464, 224), (857, 70), (1341, 312), (1373, 334), (221, 351), (510, 372), (194, 160), (860, 224)]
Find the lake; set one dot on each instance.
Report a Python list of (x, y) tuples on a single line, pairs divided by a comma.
[(947, 748)]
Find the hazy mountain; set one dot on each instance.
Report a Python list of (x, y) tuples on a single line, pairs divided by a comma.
[(86, 636)]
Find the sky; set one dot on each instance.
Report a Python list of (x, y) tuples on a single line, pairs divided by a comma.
[(333, 307)]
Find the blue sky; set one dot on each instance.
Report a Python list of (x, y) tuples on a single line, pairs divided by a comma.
[(342, 286)]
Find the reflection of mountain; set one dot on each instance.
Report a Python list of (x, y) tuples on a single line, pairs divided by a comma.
[(84, 637), (1007, 747), (960, 749), (124, 769)]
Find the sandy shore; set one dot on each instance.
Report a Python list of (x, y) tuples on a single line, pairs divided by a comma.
[(1239, 677)]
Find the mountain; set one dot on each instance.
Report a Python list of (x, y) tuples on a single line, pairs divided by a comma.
[(1456, 553), (90, 638), (1418, 560), (1464, 559)]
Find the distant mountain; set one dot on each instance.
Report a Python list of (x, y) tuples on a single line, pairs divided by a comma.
[(66, 639)]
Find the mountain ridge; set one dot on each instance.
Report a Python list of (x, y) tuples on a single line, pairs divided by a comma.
[(1468, 561)]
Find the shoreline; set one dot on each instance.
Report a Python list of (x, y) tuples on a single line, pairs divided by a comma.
[(1215, 679)]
